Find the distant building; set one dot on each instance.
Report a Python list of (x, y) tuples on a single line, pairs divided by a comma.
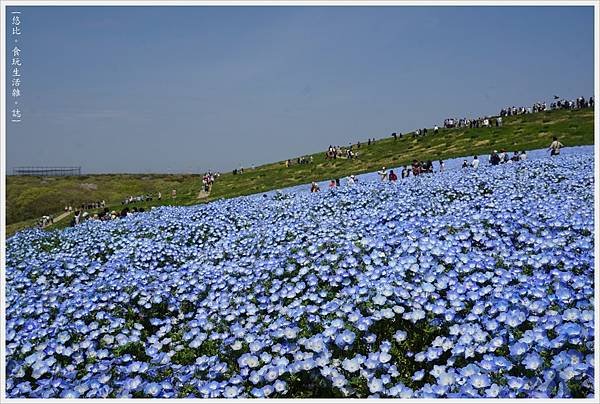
[(47, 171)]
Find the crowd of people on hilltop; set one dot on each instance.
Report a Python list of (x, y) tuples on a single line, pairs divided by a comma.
[(496, 121), (578, 103), (335, 152), (558, 103), (299, 160), (480, 122), (140, 198)]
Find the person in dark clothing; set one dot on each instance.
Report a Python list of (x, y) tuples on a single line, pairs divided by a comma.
[(392, 176), (494, 158), (337, 182), (429, 166)]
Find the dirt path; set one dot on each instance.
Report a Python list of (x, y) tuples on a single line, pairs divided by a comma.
[(59, 218)]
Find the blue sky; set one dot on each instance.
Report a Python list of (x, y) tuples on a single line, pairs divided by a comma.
[(186, 89)]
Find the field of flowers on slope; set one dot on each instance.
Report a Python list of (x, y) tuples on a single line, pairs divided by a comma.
[(461, 284)]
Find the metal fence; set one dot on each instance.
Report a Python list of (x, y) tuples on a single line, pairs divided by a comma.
[(47, 171)]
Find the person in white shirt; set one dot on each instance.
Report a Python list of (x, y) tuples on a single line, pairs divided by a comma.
[(501, 156), (555, 147), (523, 155), (383, 174), (475, 162), (351, 180)]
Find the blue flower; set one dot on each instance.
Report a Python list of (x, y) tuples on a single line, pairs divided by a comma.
[(152, 389), (479, 381)]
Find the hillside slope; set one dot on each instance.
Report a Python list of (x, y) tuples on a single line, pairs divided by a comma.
[(31, 197)]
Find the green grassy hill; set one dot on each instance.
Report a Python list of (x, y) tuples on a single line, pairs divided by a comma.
[(28, 198)]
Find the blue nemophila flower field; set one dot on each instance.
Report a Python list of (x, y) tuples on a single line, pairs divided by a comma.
[(460, 284)]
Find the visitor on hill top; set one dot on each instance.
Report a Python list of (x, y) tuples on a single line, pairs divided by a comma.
[(382, 173), (393, 177), (395, 136), (314, 187), (555, 147), (475, 162)]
